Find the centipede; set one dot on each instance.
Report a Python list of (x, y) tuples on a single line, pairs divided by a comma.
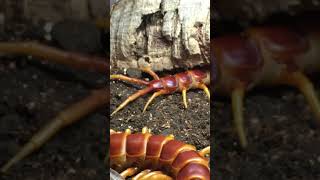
[(147, 156), (259, 56), (180, 82)]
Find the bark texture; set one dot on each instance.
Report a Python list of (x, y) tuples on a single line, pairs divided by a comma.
[(163, 34)]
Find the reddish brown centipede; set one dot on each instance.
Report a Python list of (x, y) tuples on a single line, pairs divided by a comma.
[(166, 85), (266, 56), (144, 150)]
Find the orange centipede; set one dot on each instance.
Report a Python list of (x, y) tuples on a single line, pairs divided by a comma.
[(131, 153), (266, 56), (181, 82)]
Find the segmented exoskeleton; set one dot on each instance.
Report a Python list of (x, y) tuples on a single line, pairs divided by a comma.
[(266, 56), (166, 85), (131, 153)]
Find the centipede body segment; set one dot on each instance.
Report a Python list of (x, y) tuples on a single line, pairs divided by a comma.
[(131, 153), (266, 56)]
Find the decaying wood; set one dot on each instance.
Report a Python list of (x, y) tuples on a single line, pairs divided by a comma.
[(163, 34)]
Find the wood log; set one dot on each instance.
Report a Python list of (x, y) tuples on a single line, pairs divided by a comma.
[(162, 34)]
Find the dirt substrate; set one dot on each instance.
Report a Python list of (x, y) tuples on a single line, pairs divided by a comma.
[(30, 94), (165, 115), (283, 141)]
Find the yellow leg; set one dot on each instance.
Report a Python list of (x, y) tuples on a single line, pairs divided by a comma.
[(156, 94), (155, 175), (131, 98), (237, 108), (205, 89), (129, 172), (300, 81), (184, 98), (203, 152), (145, 130), (141, 174)]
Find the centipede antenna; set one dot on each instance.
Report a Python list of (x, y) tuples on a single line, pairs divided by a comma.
[(129, 172), (131, 98), (63, 119), (299, 80), (184, 98), (128, 79), (203, 152), (237, 108), (154, 95)]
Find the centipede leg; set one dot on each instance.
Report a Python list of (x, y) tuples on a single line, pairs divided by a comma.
[(203, 152), (128, 79), (205, 89), (237, 108), (63, 119), (145, 130), (129, 172), (141, 174), (156, 94), (184, 97), (300, 81), (131, 98), (154, 175)]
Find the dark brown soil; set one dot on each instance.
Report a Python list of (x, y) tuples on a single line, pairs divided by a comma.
[(165, 115), (283, 141), (31, 93)]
